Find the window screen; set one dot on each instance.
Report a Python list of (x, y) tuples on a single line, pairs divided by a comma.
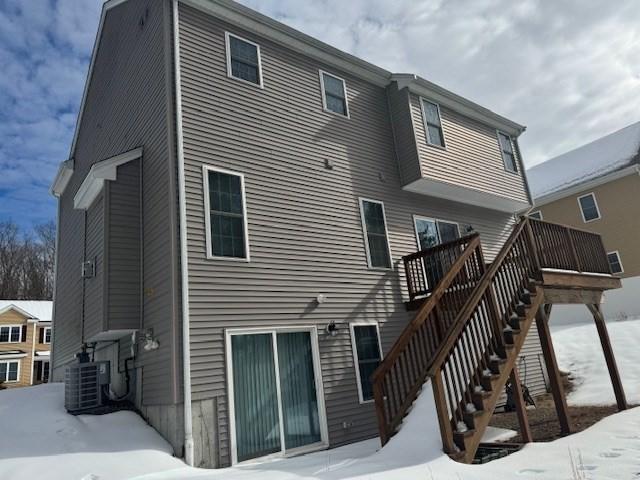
[(244, 60), (226, 214), (589, 207), (376, 233), (506, 148), (367, 353), (334, 94), (435, 135)]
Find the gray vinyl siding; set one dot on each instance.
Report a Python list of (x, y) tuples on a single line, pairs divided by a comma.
[(128, 106), (303, 219), (472, 157), (94, 286), (403, 134), (123, 269)]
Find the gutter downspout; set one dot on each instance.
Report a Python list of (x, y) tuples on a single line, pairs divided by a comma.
[(184, 267)]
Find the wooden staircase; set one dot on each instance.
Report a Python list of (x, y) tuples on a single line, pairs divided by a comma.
[(468, 330)]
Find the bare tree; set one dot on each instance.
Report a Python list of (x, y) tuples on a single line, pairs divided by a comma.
[(26, 262)]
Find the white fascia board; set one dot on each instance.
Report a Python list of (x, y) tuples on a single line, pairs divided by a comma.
[(12, 356), (17, 309), (101, 171), (588, 185), (460, 194), (60, 182), (431, 91)]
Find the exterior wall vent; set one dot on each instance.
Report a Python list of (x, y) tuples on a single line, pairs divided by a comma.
[(88, 269), (84, 386)]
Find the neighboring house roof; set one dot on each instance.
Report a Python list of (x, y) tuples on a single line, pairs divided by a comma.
[(36, 309), (576, 168)]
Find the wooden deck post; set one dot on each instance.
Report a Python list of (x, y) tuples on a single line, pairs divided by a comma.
[(521, 407), (608, 355), (542, 323)]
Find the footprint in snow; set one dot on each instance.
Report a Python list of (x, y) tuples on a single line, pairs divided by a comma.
[(610, 455), (67, 432), (588, 468), (527, 471)]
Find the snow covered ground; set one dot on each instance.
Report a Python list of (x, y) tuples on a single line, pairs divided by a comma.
[(579, 352), (39, 440)]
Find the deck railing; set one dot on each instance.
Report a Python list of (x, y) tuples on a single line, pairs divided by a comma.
[(424, 269), (403, 371), (459, 328)]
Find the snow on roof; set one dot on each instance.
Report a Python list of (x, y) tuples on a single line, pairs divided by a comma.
[(588, 162), (39, 309)]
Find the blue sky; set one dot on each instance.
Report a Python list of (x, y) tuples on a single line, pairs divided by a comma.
[(570, 71)]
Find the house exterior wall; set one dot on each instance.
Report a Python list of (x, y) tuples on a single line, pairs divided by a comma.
[(11, 317), (619, 224), (304, 224), (471, 157), (404, 133), (619, 227), (127, 105)]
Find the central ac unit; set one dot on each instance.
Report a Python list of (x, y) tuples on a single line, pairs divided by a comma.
[(85, 386)]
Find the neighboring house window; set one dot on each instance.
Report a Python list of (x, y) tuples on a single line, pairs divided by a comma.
[(46, 335), (537, 215), (374, 224), (12, 334), (334, 94), (367, 354), (506, 147), (433, 123), (614, 262), (243, 60), (225, 215), (589, 207), (9, 371)]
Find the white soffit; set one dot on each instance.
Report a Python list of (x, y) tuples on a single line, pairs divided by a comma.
[(101, 171), (469, 196)]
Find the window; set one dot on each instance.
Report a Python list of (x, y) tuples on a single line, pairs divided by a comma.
[(430, 232), (506, 148), (9, 371), (537, 215), (225, 215), (589, 207), (367, 354), (46, 335), (243, 60), (334, 94), (614, 262), (432, 123), (374, 225), (12, 334)]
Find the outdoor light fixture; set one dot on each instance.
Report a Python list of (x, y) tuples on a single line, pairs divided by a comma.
[(332, 329), (147, 340), (321, 298)]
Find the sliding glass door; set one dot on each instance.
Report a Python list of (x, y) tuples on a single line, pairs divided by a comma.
[(276, 404), (429, 233)]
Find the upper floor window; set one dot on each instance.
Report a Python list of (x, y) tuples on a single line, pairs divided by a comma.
[(614, 262), (537, 215), (243, 59), (374, 224), (589, 207), (11, 334), (9, 371), (334, 94), (45, 335), (506, 147), (367, 354), (433, 123), (225, 215)]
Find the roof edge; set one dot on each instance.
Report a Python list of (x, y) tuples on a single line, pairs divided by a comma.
[(592, 183)]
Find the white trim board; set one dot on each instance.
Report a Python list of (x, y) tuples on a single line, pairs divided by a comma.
[(104, 170)]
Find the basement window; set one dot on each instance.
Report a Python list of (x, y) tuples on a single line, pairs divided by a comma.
[(433, 123), (225, 215), (614, 262), (506, 148), (589, 207), (374, 226), (243, 59), (11, 334), (334, 94), (367, 354), (9, 371)]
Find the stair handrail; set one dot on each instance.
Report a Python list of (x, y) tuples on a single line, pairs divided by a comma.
[(473, 247), (483, 284)]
